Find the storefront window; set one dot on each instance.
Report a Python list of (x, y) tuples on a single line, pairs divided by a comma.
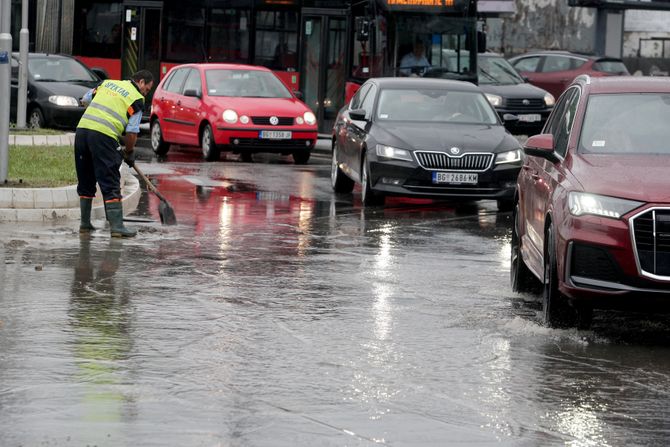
[(99, 25), (185, 33), (277, 40), (229, 35)]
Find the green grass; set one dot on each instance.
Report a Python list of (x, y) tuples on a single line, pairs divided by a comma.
[(41, 166), (31, 131)]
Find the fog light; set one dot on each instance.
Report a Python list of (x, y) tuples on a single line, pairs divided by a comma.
[(308, 143), (391, 181), (236, 141)]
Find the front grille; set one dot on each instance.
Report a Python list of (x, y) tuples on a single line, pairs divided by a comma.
[(467, 162), (518, 103), (651, 231), (272, 144), (593, 262), (265, 121)]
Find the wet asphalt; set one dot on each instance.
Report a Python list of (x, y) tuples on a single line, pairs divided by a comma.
[(277, 313)]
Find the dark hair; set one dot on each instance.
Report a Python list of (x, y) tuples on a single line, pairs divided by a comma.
[(143, 75)]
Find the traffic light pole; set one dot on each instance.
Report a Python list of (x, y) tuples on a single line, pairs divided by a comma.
[(5, 80)]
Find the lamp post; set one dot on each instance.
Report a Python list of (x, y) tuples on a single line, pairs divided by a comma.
[(5, 80), (22, 98)]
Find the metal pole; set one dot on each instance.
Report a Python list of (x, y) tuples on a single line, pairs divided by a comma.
[(22, 99), (5, 79)]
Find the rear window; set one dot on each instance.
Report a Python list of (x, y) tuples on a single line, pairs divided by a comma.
[(614, 67), (626, 123)]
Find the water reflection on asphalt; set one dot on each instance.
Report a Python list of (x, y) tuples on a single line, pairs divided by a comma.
[(276, 313)]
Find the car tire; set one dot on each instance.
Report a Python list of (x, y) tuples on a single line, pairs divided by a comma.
[(210, 152), (338, 179), (505, 205), (556, 309), (36, 118), (301, 157), (368, 196), (521, 278), (158, 144)]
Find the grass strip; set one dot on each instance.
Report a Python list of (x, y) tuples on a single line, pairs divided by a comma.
[(41, 167)]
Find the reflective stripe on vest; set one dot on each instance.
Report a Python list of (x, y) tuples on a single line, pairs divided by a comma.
[(108, 112)]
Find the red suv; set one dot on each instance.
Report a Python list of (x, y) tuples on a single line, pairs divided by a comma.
[(592, 212), (555, 70)]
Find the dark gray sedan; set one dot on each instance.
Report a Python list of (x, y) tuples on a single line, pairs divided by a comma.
[(421, 137)]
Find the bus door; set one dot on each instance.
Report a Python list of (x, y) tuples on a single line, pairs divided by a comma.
[(324, 62), (141, 40)]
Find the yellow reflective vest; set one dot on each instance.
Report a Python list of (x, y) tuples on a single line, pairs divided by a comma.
[(108, 112)]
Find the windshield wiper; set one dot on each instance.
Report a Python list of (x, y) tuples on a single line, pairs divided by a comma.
[(488, 75), (47, 80)]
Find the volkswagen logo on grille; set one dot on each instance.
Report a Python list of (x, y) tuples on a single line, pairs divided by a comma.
[(274, 120), (525, 102), (454, 151)]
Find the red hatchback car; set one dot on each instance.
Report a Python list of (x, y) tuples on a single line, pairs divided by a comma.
[(554, 71), (228, 107), (592, 213)]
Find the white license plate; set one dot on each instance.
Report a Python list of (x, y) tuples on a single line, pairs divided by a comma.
[(455, 178), (530, 118), (275, 134)]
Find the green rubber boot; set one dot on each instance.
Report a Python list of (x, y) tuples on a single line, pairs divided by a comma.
[(85, 205), (115, 218)]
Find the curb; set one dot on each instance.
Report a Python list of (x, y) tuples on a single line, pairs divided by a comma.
[(42, 140), (51, 205)]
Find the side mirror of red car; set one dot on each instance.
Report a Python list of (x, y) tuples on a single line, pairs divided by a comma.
[(541, 146)]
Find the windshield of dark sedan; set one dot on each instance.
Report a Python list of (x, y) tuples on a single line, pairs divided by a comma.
[(496, 70), (58, 69), (435, 105), (245, 84), (626, 123)]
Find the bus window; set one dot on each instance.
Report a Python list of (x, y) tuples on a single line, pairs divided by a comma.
[(277, 40), (444, 42), (229, 35)]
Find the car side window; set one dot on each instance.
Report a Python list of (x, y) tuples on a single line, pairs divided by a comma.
[(176, 81), (576, 63), (369, 101), (556, 63), (358, 97), (193, 81), (564, 127), (527, 63), (556, 115)]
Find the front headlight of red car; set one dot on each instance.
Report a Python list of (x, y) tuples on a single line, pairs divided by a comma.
[(581, 203), (230, 116)]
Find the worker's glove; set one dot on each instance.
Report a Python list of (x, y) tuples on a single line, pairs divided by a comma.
[(129, 157)]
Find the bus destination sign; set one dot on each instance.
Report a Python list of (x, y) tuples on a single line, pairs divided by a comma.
[(425, 5)]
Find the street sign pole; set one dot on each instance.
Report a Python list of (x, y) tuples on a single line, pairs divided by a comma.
[(5, 79), (22, 99)]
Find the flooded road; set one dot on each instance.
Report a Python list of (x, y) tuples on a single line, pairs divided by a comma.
[(278, 314)]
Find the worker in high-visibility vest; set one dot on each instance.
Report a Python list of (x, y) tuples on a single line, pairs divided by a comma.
[(114, 113)]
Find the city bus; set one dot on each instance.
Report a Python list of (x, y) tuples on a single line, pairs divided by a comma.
[(317, 47)]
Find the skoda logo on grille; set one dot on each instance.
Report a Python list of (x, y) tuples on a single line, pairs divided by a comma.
[(274, 120), (525, 102), (454, 151)]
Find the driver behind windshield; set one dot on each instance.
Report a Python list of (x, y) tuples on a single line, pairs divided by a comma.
[(415, 62)]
